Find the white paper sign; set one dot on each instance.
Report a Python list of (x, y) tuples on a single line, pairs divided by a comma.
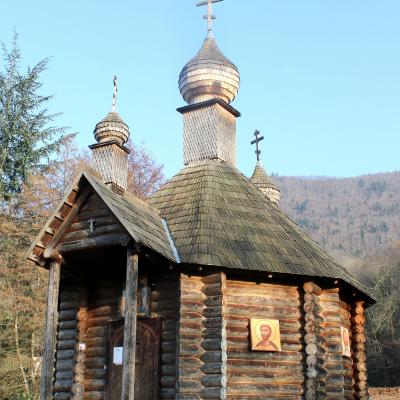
[(118, 353)]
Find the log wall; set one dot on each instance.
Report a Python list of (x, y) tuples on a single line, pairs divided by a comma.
[(202, 346), (359, 357), (261, 375), (164, 305), (102, 307), (348, 374), (66, 341), (93, 214)]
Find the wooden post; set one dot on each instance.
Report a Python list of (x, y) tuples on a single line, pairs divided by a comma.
[(46, 382), (128, 369)]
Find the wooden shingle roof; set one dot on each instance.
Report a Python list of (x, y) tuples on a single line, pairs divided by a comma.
[(140, 221), (218, 217)]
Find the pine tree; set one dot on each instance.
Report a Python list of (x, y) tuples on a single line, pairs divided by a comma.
[(27, 136)]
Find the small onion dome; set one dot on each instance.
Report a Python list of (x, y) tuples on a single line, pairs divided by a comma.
[(209, 75), (262, 181), (112, 127)]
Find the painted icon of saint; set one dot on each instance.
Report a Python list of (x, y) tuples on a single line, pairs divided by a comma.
[(265, 343), (265, 335)]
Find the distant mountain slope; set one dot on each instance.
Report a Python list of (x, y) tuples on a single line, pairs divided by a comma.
[(347, 216)]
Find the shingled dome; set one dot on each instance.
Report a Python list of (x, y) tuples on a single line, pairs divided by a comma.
[(112, 127), (263, 181), (209, 75), (218, 217)]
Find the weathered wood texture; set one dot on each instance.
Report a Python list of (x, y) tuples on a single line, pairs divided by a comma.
[(128, 368), (46, 383), (214, 340), (332, 322), (190, 331), (348, 374), (94, 223), (164, 305), (315, 343), (358, 344), (202, 346), (78, 388), (102, 307), (261, 375), (66, 343)]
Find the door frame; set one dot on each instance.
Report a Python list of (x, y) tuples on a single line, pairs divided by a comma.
[(154, 325)]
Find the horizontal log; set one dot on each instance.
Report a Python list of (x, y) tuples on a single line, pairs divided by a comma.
[(93, 396), (96, 332), (95, 363), (62, 396), (168, 370), (100, 241), (215, 380), (67, 315), (213, 344), (68, 305), (86, 233), (95, 341), (67, 334), (82, 224), (65, 354), (99, 373), (64, 365), (92, 352), (167, 381), (66, 325), (62, 385), (64, 375), (94, 384), (66, 344), (214, 357), (214, 368)]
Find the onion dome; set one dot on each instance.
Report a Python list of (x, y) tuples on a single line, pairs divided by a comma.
[(262, 181), (209, 75), (111, 128)]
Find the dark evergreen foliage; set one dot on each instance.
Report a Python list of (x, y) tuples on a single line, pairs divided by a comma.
[(27, 134)]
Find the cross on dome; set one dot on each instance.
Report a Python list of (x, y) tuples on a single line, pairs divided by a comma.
[(209, 17), (114, 100), (256, 141)]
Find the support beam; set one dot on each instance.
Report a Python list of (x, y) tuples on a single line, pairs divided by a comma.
[(128, 369), (46, 383)]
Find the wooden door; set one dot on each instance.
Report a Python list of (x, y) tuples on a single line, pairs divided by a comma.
[(147, 360)]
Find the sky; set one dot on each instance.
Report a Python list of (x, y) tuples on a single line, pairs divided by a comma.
[(319, 78)]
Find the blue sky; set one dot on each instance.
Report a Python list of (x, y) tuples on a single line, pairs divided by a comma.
[(320, 78)]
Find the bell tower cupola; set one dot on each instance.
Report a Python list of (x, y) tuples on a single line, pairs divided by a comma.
[(209, 82), (110, 156)]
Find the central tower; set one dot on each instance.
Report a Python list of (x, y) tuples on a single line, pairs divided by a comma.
[(209, 82)]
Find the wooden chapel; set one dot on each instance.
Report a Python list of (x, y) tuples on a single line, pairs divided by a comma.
[(206, 290)]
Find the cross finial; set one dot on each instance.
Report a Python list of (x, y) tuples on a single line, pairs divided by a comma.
[(256, 141), (209, 17), (114, 101)]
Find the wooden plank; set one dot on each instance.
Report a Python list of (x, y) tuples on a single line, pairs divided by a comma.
[(119, 239), (46, 383), (128, 369)]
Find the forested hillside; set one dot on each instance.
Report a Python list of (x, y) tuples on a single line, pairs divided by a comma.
[(347, 216)]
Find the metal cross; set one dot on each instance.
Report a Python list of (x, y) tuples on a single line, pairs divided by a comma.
[(209, 17), (114, 101), (256, 141)]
